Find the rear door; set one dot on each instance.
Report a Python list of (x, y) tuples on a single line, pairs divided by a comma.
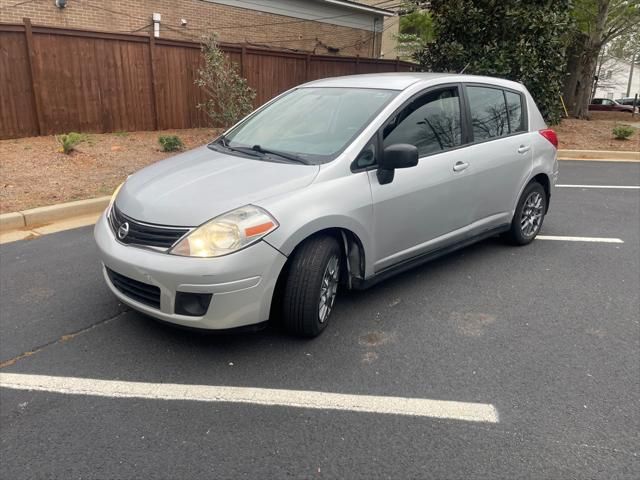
[(500, 156)]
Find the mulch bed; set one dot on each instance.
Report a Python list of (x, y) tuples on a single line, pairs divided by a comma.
[(595, 134), (34, 173)]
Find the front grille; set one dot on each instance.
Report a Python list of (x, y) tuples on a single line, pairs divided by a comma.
[(138, 291), (143, 233)]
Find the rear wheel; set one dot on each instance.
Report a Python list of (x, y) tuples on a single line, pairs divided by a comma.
[(311, 286), (529, 215)]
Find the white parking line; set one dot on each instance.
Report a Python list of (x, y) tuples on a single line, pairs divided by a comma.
[(420, 407), (580, 239), (620, 187)]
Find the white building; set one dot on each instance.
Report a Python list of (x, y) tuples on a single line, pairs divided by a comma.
[(613, 79)]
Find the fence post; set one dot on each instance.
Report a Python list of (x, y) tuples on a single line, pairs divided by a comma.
[(397, 64), (35, 81), (307, 67), (152, 71)]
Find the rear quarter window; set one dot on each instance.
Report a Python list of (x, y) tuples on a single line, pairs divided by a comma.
[(514, 112)]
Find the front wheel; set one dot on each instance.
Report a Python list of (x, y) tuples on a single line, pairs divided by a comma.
[(311, 286), (529, 215)]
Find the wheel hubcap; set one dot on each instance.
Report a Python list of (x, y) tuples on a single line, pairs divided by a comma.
[(328, 288), (532, 212)]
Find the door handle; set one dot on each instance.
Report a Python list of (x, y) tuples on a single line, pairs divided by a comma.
[(460, 166), (524, 149)]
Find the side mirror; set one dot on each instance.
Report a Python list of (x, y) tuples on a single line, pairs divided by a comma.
[(400, 155)]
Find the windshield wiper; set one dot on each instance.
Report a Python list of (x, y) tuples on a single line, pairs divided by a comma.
[(224, 143), (293, 158), (257, 151)]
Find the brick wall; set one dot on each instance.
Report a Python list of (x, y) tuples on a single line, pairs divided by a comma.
[(233, 25)]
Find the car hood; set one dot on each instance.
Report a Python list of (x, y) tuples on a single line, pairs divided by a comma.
[(196, 186)]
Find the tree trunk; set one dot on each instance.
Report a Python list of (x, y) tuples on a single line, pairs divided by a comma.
[(598, 75), (574, 55), (586, 74), (582, 63)]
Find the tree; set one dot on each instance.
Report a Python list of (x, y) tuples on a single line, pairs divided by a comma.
[(228, 96), (595, 23), (521, 41), (415, 29), (626, 46)]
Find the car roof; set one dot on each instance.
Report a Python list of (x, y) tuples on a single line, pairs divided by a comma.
[(403, 80)]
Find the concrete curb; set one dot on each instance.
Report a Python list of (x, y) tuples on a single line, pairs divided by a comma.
[(11, 221), (36, 217), (602, 155)]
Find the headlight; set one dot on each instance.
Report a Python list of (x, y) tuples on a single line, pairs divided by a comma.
[(227, 233)]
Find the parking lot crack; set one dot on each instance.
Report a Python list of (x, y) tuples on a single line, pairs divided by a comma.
[(62, 339)]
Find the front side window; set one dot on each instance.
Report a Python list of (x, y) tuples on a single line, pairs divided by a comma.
[(313, 124), (488, 113), (432, 123)]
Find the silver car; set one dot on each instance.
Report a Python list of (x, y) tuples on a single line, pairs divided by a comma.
[(335, 184)]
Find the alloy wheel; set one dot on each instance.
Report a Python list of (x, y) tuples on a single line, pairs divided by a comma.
[(328, 288), (532, 212)]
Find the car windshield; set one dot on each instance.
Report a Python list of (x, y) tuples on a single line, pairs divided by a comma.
[(310, 124)]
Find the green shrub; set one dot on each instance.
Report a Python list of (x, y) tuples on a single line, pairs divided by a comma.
[(170, 143), (69, 141), (622, 132)]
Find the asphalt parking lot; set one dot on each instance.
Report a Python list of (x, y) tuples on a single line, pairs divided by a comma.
[(547, 335)]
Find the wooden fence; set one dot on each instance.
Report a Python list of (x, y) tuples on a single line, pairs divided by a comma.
[(56, 80)]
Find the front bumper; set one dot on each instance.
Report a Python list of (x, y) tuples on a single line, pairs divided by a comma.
[(241, 283)]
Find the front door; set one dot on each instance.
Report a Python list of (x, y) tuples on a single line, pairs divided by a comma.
[(426, 202)]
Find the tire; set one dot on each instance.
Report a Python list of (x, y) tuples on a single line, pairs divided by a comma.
[(529, 215), (313, 277)]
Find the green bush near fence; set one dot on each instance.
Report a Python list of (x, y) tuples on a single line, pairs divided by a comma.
[(622, 132), (170, 143), (69, 141), (229, 97)]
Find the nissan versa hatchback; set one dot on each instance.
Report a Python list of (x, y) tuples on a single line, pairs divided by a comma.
[(333, 185)]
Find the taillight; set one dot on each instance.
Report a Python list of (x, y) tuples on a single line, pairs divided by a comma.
[(550, 135)]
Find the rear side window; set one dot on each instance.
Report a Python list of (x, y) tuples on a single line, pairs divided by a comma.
[(432, 123), (514, 112), (488, 113)]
